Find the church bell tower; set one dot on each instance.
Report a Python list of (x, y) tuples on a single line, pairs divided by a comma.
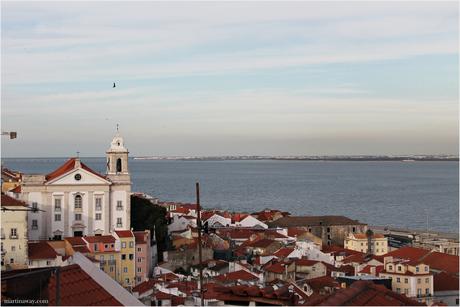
[(117, 160)]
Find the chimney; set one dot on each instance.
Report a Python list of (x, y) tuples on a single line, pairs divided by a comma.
[(373, 270)]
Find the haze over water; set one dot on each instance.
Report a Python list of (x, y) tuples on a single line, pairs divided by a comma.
[(400, 194)]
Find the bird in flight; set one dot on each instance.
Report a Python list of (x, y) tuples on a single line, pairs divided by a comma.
[(114, 84)]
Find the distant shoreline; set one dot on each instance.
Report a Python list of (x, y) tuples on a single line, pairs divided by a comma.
[(407, 159), (336, 158)]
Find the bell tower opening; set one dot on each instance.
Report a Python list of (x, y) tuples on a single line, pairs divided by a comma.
[(119, 165)]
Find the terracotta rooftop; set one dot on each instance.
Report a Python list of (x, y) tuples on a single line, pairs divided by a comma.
[(445, 282), (319, 283), (367, 269), (100, 239), (11, 202), (364, 293), (17, 189), (77, 288), (145, 286), (68, 166), (140, 237), (296, 221), (237, 275), (261, 243), (305, 262), (75, 241), (124, 233), (41, 250), (283, 252)]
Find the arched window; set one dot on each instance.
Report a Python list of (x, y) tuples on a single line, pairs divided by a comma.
[(78, 202), (118, 165)]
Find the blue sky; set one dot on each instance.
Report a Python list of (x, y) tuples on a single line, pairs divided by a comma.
[(208, 78)]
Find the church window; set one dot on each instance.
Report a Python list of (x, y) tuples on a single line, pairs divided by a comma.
[(34, 224), (98, 203), (34, 207), (57, 217), (78, 217), (119, 205), (57, 204), (118, 165), (77, 177), (78, 201), (119, 222), (98, 216)]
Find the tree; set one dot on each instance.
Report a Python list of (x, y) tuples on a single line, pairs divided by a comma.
[(146, 215)]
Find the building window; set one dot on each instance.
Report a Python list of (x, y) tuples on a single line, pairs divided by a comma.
[(78, 202), (119, 223), (57, 217), (139, 280), (406, 291), (131, 256), (427, 280), (398, 279), (13, 248), (328, 229), (119, 205), (362, 244), (48, 262), (390, 267), (377, 243), (427, 291), (118, 165), (98, 216), (406, 280), (57, 205), (139, 270), (111, 268), (123, 244), (95, 247), (139, 249), (417, 269), (11, 260), (34, 224), (78, 217), (419, 292), (309, 229), (127, 280), (353, 229), (98, 203), (131, 244), (419, 280), (399, 268), (426, 268), (101, 258), (34, 207), (139, 259), (125, 270), (123, 256), (377, 250)]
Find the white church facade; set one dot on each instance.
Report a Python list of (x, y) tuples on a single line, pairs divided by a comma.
[(75, 200)]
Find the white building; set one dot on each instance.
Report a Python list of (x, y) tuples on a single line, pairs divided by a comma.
[(74, 200)]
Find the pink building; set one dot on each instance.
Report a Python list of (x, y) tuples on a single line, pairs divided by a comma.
[(143, 256)]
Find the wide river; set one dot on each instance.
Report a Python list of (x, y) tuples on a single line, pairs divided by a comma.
[(415, 195)]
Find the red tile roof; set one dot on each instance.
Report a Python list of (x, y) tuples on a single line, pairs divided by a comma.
[(237, 275), (81, 249), (12, 202), (261, 243), (145, 286), (436, 260), (365, 293), (75, 241), (41, 250), (77, 288), (305, 262), (68, 166), (17, 189), (278, 268), (283, 252), (100, 239), (364, 236), (445, 282), (321, 282), (140, 237), (124, 233), (367, 269), (442, 262)]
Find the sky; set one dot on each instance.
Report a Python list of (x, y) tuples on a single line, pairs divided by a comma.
[(230, 78)]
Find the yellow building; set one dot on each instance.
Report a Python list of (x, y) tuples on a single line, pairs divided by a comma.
[(127, 257), (412, 278), (359, 242), (13, 234), (104, 249)]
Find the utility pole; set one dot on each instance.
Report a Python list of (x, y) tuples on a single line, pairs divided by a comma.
[(198, 224)]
